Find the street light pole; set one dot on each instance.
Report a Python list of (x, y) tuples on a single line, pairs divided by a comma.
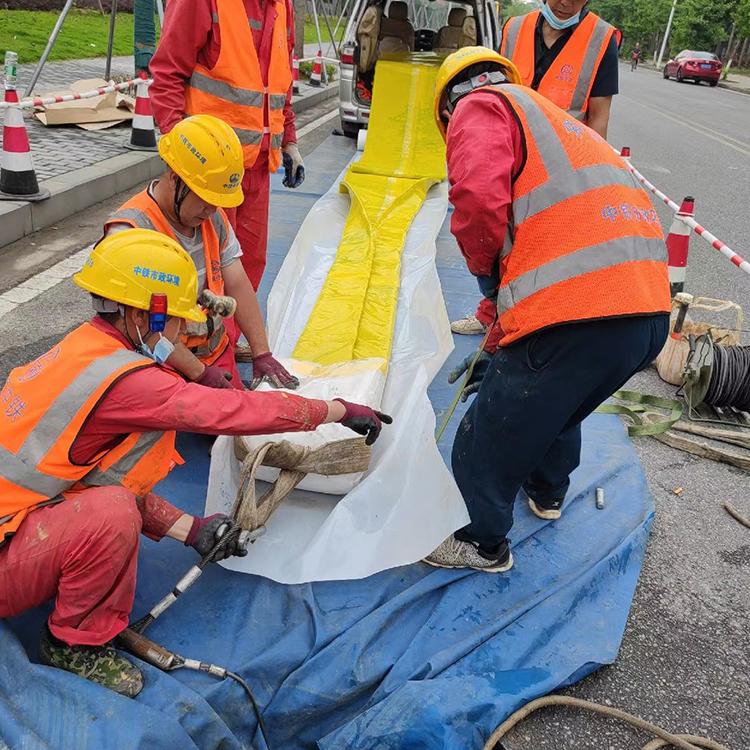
[(666, 34)]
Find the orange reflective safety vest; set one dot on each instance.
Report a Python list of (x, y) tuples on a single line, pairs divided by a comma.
[(206, 340), (233, 89), (584, 241), (569, 79), (46, 404)]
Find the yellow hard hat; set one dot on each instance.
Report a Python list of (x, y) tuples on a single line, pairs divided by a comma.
[(128, 267), (206, 153), (464, 58)]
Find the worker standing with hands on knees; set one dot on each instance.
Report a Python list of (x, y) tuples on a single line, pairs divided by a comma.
[(203, 179), (569, 55), (569, 249), (88, 430), (233, 59)]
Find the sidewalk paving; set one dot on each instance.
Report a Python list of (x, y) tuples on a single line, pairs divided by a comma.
[(82, 167)]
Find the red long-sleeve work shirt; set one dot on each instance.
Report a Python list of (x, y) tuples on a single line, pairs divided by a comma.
[(485, 152), (152, 399), (191, 36)]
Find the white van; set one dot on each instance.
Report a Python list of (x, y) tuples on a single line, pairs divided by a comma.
[(378, 26)]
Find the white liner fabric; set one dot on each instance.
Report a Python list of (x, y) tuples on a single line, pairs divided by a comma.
[(407, 502)]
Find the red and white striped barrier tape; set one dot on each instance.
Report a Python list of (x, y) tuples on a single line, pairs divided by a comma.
[(714, 241), (27, 103), (331, 60)]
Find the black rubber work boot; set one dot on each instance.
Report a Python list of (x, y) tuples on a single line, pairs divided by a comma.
[(99, 664)]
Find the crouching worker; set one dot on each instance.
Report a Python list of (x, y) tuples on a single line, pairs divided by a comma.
[(89, 429), (568, 247), (204, 156)]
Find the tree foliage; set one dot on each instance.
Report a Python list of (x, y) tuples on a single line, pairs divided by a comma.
[(698, 24)]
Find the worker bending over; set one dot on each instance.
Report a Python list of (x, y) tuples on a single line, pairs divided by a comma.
[(204, 157), (88, 429), (569, 55), (569, 249), (233, 59)]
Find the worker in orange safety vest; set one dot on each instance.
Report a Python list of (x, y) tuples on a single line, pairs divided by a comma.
[(233, 59), (568, 248), (569, 55), (86, 432), (188, 204)]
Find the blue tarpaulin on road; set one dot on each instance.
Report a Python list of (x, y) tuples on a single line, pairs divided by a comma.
[(414, 657)]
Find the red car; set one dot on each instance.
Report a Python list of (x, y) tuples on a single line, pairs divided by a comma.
[(700, 66)]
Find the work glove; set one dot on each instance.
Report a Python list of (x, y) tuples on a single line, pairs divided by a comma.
[(206, 532), (215, 377), (477, 374), (294, 167), (270, 370), (488, 284), (363, 420)]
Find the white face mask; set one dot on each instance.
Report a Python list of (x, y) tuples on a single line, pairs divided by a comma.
[(558, 23), (162, 350)]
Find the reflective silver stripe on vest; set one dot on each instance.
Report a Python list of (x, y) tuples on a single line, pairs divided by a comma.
[(120, 469), (14, 470), (19, 468), (510, 35), (564, 181), (277, 101), (220, 227), (255, 25), (593, 258), (587, 72), (132, 214), (215, 17), (276, 139), (60, 414), (249, 137), (225, 91)]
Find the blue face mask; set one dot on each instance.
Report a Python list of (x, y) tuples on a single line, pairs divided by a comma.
[(162, 350), (555, 22)]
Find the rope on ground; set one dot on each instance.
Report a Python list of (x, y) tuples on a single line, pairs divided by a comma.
[(349, 456), (684, 742), (729, 508)]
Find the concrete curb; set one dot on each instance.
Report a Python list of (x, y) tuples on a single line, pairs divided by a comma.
[(78, 190)]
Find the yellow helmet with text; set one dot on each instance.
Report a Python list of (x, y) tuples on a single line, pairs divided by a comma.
[(206, 154), (129, 266)]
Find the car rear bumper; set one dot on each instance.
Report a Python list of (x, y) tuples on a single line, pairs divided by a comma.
[(350, 109), (702, 75)]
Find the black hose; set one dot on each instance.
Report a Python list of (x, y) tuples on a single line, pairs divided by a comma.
[(256, 708), (730, 378)]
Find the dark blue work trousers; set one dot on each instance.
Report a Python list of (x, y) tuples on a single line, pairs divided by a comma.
[(523, 429)]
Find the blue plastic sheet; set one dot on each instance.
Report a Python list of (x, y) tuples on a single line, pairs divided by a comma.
[(414, 657)]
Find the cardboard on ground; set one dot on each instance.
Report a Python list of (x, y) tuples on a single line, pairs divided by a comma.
[(90, 114)]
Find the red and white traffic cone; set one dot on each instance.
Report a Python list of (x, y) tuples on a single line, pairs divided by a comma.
[(678, 241), (142, 133), (317, 70), (17, 176), (295, 75)]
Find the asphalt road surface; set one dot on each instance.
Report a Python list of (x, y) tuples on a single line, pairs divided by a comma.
[(685, 659)]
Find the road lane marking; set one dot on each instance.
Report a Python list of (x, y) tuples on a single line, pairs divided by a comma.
[(315, 124), (43, 282), (702, 129)]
